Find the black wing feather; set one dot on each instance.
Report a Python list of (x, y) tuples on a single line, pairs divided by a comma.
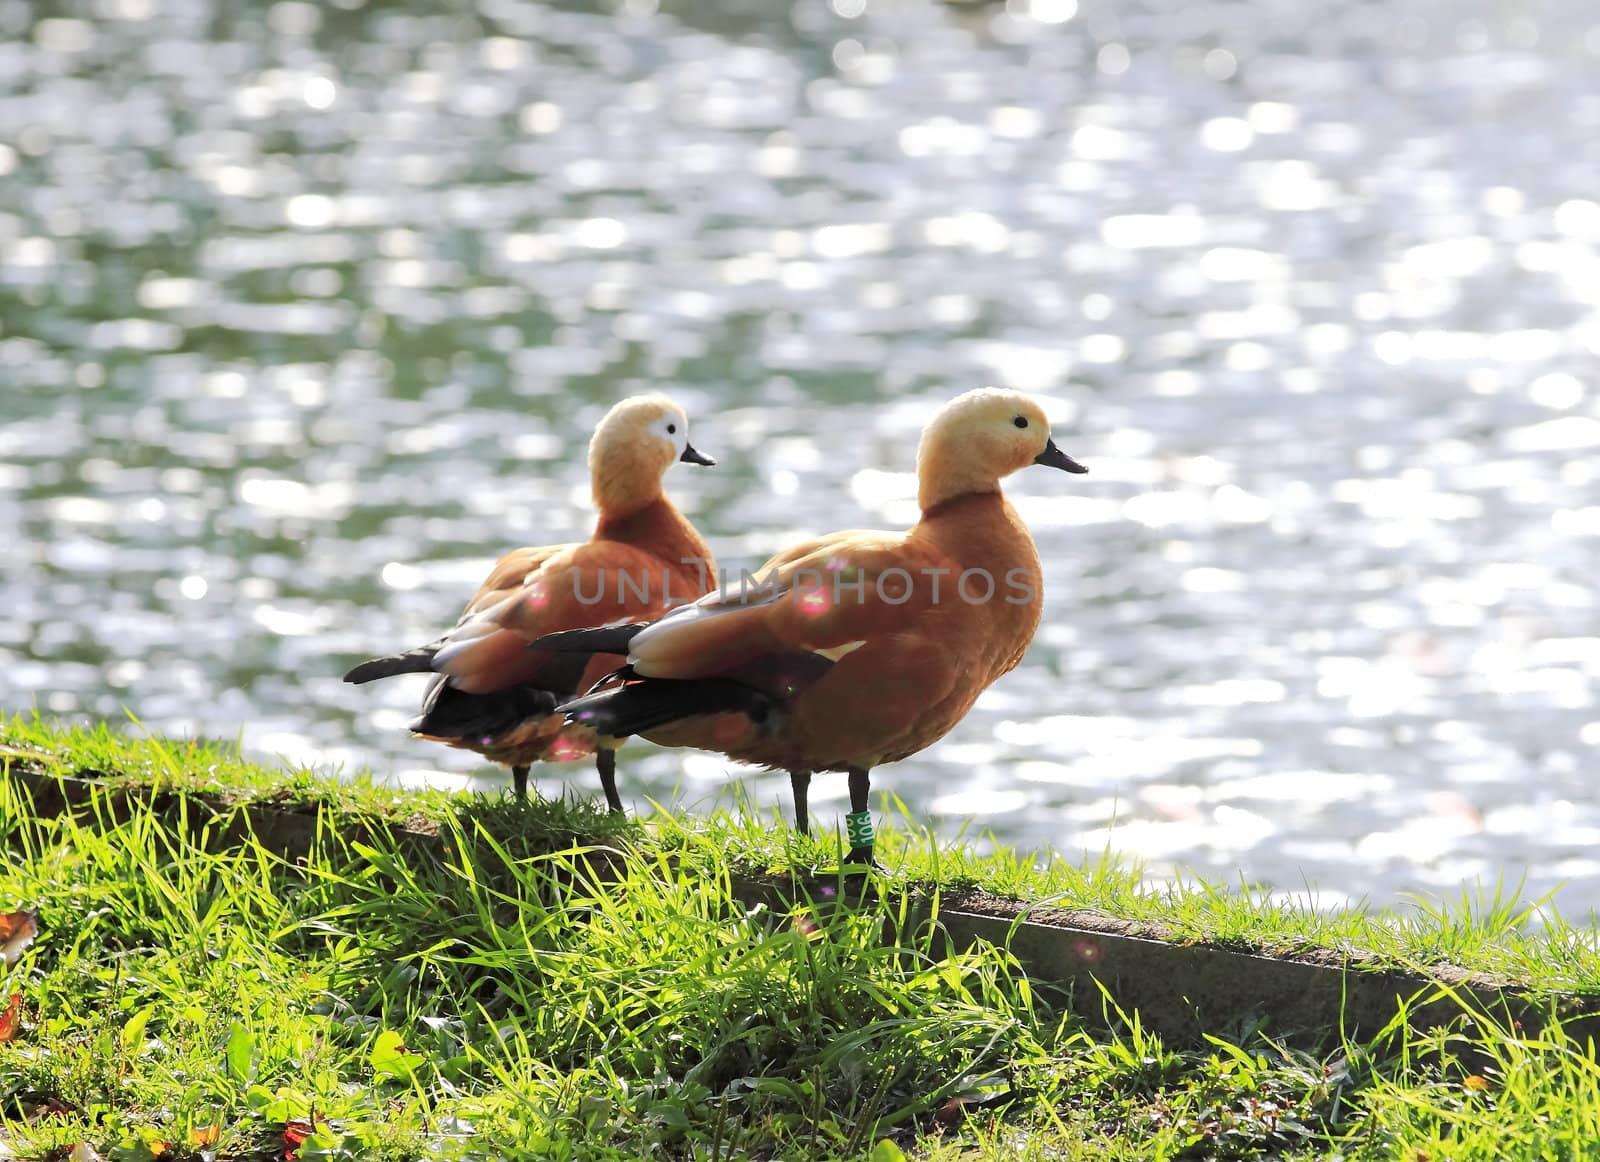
[(601, 639), (413, 661), (650, 702)]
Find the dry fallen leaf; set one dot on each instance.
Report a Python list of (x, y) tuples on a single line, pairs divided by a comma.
[(17, 930), (11, 1018), (953, 1111)]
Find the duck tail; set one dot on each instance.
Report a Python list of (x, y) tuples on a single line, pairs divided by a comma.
[(644, 704), (451, 713), (413, 661)]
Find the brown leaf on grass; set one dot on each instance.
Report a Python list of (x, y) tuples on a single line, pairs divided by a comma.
[(953, 1111), (17, 930), (11, 1019)]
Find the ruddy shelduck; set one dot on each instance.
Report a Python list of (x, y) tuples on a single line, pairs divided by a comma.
[(858, 648), (495, 694)]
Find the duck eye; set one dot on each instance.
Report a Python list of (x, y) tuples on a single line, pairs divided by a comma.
[(672, 429), (1021, 421)]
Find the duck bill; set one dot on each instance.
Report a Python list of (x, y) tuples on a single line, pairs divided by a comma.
[(1054, 457), (690, 456)]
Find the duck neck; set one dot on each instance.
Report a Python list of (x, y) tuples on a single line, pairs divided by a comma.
[(940, 482), (658, 528), (935, 506), (620, 490)]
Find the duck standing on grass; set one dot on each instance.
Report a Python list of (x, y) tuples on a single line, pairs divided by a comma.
[(855, 649), (496, 695)]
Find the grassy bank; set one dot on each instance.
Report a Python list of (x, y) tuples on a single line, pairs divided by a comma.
[(553, 983)]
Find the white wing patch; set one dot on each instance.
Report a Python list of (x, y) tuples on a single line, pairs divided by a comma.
[(834, 653)]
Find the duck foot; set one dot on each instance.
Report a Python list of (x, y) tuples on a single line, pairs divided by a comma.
[(605, 761), (863, 855)]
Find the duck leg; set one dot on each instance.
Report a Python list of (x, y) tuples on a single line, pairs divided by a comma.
[(519, 782), (858, 823), (605, 761), (800, 783)]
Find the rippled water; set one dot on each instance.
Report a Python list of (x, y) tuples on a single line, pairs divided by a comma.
[(306, 312)]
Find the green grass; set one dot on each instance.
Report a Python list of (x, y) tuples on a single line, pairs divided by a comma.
[(1492, 930), (561, 985)]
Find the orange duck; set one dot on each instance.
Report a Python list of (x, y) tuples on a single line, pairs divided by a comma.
[(495, 695), (855, 649)]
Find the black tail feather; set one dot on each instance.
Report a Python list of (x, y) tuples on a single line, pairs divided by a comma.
[(650, 702), (451, 713), (415, 661), (601, 639)]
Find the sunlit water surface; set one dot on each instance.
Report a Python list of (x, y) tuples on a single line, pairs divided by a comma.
[(306, 313)]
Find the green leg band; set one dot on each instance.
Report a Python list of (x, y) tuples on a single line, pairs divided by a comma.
[(858, 825)]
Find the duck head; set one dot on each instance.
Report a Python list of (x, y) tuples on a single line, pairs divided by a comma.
[(633, 446), (979, 438)]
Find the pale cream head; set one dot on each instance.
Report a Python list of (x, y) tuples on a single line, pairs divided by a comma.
[(633, 446), (978, 438)]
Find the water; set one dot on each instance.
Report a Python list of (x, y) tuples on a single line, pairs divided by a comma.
[(306, 313)]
